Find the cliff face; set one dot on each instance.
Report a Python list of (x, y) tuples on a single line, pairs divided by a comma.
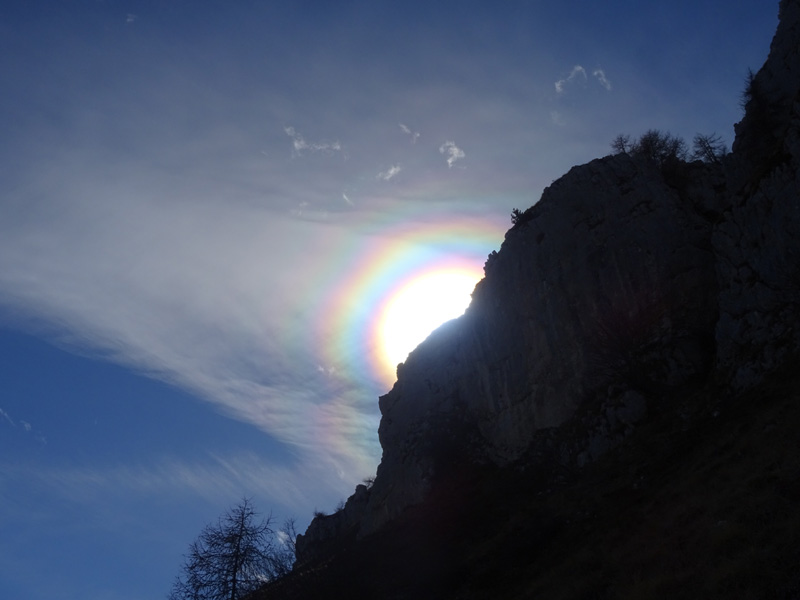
[(626, 281), (609, 277), (756, 245)]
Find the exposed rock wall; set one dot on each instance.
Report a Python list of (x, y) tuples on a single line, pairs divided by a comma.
[(626, 279), (757, 243), (609, 276), (609, 279)]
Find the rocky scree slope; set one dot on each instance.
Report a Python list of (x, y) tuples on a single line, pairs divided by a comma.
[(628, 283)]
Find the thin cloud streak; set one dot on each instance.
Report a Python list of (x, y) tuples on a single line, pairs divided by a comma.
[(413, 134), (216, 478), (578, 72), (389, 173), (601, 77), (7, 417), (300, 145)]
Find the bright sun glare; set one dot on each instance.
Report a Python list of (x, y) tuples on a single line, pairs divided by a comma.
[(419, 308)]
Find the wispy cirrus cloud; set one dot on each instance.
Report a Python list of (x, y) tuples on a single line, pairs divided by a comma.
[(216, 478), (389, 173), (407, 130), (577, 73), (300, 145), (240, 337), (452, 152), (601, 77)]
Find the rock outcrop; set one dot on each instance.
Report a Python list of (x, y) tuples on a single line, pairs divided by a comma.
[(756, 244), (627, 279)]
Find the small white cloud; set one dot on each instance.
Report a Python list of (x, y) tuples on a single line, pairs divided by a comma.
[(300, 145), (414, 134), (601, 77), (26, 426), (130, 18), (390, 172), (5, 415), (347, 200), (452, 152), (577, 72)]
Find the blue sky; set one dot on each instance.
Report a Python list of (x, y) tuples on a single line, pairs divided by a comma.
[(204, 204)]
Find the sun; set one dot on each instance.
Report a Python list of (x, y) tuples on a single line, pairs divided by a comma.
[(419, 307)]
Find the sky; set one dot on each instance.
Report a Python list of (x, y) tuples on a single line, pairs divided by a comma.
[(218, 220)]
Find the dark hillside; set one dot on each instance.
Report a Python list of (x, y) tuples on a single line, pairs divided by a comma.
[(702, 511)]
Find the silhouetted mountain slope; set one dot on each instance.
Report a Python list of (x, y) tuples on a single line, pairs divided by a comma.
[(701, 502), (616, 415)]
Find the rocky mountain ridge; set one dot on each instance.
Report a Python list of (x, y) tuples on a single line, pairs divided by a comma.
[(627, 283)]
